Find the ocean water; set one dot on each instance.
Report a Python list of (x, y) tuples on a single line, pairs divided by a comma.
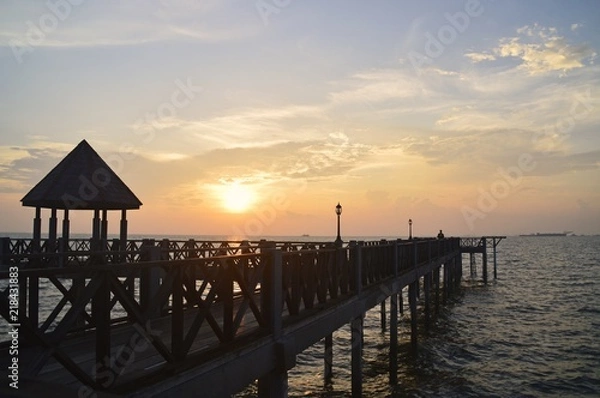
[(534, 332)]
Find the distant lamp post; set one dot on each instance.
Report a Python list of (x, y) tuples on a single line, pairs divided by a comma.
[(338, 211), (410, 228)]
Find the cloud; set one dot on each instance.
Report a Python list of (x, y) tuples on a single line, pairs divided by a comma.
[(251, 127), (278, 166), (469, 148), (9, 154), (491, 149), (170, 9), (21, 167), (480, 57), (376, 86), (165, 156), (557, 163), (478, 100), (189, 194), (476, 117), (332, 155), (122, 24), (540, 50)]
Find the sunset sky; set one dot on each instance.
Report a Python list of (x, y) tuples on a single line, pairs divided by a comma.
[(256, 117)]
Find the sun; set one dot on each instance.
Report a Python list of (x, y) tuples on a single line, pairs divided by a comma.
[(237, 198)]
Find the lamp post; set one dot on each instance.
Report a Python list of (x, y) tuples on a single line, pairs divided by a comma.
[(410, 228), (338, 211)]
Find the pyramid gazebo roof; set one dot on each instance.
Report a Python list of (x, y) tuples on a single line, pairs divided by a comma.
[(82, 180)]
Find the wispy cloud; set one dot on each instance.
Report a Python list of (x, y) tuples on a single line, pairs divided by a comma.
[(165, 156), (558, 163), (121, 24), (330, 155), (277, 166), (480, 57), (21, 165), (376, 86), (540, 50), (246, 127), (481, 149)]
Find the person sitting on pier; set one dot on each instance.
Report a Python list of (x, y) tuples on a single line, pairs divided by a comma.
[(440, 235)]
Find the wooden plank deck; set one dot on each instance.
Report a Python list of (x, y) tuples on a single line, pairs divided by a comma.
[(146, 359)]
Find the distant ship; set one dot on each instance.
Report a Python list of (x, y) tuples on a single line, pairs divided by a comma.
[(565, 233)]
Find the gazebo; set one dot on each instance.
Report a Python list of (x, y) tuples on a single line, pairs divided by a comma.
[(81, 181)]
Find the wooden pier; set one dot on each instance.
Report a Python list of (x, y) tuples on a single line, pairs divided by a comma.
[(166, 317)]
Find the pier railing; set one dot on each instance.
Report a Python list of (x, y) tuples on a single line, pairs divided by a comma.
[(472, 242), (189, 302), (81, 252)]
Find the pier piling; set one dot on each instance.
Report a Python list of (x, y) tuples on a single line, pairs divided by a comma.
[(275, 383), (458, 261), (328, 360), (356, 327), (427, 292), (446, 281), (393, 357), (382, 315), (400, 303), (436, 284), (484, 263), (412, 302)]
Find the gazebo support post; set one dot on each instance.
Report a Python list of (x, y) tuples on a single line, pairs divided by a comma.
[(37, 231), (96, 226), (104, 228), (33, 280), (95, 243), (64, 242), (123, 235), (52, 247), (104, 235)]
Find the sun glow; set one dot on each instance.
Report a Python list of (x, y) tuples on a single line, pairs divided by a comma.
[(237, 198)]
